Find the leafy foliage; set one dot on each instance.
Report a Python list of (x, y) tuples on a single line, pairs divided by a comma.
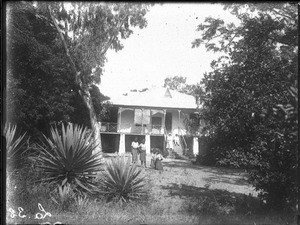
[(41, 88), (15, 145), (250, 98), (39, 84), (86, 31), (122, 182), (68, 158), (178, 83)]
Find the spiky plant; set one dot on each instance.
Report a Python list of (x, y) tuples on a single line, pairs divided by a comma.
[(68, 158), (15, 144), (122, 182)]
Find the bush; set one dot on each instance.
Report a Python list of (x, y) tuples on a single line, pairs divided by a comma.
[(122, 182), (69, 158), (64, 197)]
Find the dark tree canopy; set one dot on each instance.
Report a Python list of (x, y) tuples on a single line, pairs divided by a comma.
[(41, 90), (39, 86), (250, 98)]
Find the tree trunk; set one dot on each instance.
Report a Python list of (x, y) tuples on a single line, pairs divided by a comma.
[(95, 125), (84, 92)]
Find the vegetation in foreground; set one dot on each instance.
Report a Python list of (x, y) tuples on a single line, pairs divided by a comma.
[(123, 195), (199, 206)]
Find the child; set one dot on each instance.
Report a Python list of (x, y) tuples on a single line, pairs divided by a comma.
[(158, 163), (142, 147)]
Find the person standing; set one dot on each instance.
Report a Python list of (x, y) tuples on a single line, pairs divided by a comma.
[(142, 148), (176, 140), (169, 142), (134, 150), (153, 157)]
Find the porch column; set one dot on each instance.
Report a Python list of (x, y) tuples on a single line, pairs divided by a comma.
[(179, 123), (164, 122), (142, 121), (147, 142), (150, 125), (163, 127), (195, 146), (119, 119), (122, 144)]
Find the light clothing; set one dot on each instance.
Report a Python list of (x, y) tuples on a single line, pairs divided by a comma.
[(158, 163), (134, 151), (169, 141), (135, 144), (143, 147)]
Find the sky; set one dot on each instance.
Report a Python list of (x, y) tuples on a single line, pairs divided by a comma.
[(162, 49)]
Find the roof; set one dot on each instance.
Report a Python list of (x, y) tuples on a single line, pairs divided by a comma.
[(156, 97)]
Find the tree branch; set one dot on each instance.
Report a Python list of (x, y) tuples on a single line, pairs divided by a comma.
[(112, 38), (73, 67), (286, 16)]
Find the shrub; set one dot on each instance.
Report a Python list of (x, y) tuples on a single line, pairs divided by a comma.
[(81, 202), (122, 182), (64, 196), (69, 159), (15, 145)]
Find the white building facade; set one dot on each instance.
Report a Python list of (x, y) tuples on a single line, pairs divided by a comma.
[(151, 115)]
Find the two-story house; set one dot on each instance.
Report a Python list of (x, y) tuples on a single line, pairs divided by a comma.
[(150, 115)]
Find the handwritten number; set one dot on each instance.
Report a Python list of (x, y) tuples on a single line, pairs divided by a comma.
[(12, 213), (20, 211), (38, 215)]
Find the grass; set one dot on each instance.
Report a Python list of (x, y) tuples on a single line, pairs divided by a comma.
[(177, 196)]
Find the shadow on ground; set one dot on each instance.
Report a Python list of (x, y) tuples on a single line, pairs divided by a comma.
[(210, 169), (223, 204)]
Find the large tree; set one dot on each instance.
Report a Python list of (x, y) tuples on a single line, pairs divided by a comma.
[(41, 90), (39, 87), (250, 98), (87, 31)]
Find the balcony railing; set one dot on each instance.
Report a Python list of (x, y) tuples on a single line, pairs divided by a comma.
[(107, 127), (129, 128)]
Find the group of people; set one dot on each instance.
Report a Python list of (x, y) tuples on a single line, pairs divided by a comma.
[(170, 141), (140, 149)]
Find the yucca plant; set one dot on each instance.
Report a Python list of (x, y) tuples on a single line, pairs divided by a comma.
[(15, 144), (68, 158), (122, 182)]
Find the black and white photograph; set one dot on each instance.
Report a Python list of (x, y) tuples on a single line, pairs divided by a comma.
[(150, 113)]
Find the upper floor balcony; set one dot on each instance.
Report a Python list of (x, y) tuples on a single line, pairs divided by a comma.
[(130, 128)]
